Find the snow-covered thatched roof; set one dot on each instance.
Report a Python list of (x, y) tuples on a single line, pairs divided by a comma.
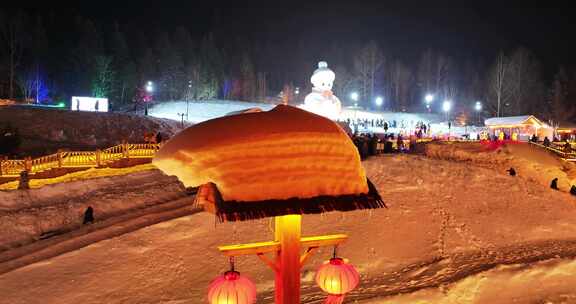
[(514, 121)]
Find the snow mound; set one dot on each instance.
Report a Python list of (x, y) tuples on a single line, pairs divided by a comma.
[(529, 161), (46, 130)]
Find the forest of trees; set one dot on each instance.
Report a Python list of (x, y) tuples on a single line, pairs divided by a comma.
[(43, 60)]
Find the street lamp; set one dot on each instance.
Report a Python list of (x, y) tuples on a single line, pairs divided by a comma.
[(188, 96), (379, 101), (354, 96), (446, 106), (429, 99), (149, 87), (149, 90), (478, 108)]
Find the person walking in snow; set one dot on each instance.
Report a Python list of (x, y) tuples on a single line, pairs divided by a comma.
[(89, 216), (573, 190), (554, 184), (546, 142)]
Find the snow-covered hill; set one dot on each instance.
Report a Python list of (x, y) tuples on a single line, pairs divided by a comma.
[(199, 111), (45, 130)]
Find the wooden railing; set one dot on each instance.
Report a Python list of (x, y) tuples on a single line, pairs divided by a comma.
[(77, 159), (558, 150)]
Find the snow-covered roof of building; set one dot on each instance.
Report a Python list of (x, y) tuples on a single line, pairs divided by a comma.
[(513, 121)]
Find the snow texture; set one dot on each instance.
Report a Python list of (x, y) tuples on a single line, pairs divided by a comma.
[(447, 220), (26, 215)]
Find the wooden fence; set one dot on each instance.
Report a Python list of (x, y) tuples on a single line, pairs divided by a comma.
[(558, 150), (76, 159)]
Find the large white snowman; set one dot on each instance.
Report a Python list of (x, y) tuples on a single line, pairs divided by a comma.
[(322, 101)]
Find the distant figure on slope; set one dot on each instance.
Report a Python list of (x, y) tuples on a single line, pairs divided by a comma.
[(567, 147), (573, 190), (554, 184), (511, 171), (546, 142), (158, 138), (89, 215)]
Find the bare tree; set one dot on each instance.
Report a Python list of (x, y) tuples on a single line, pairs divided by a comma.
[(12, 35), (525, 81), (514, 83), (261, 86), (27, 83), (367, 63), (426, 76), (500, 90), (560, 109), (344, 83), (400, 82)]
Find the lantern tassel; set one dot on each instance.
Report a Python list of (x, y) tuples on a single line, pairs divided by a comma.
[(334, 299)]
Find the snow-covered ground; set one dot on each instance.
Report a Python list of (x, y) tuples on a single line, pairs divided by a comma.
[(448, 224), (25, 215), (530, 162), (199, 111)]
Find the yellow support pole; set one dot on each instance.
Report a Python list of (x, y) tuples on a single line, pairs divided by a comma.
[(287, 232)]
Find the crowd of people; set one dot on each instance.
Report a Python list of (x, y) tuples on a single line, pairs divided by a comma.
[(370, 144), (366, 124)]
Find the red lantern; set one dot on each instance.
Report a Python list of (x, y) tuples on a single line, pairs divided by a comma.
[(337, 278), (231, 288)]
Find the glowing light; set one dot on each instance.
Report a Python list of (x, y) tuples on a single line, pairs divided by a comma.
[(149, 87), (89, 104), (447, 105), (354, 96), (429, 98), (231, 288), (379, 101), (337, 277), (478, 106)]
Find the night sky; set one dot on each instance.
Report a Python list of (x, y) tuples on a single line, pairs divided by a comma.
[(473, 32)]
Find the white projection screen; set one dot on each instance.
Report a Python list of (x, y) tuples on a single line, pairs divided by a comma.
[(90, 104)]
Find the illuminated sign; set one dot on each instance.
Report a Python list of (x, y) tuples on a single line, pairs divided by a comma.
[(89, 104)]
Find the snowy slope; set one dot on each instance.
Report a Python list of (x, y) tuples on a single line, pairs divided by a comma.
[(199, 111), (46, 130), (444, 217), (530, 162), (27, 214)]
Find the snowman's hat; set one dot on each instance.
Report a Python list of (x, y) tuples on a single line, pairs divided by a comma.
[(322, 73)]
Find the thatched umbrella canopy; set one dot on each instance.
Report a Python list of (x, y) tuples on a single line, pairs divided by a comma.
[(263, 164)]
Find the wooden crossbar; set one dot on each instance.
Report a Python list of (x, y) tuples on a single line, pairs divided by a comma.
[(273, 246)]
